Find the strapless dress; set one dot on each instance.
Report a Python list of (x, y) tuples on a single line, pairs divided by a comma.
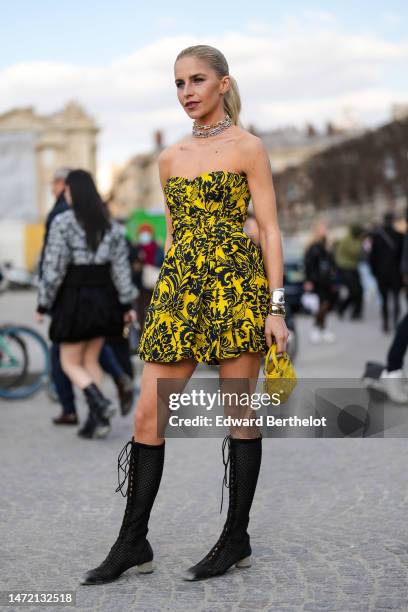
[(211, 298)]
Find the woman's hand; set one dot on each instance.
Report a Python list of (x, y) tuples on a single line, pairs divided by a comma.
[(130, 316), (276, 330)]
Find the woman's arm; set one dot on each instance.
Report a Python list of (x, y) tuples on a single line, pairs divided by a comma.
[(55, 262), (260, 182)]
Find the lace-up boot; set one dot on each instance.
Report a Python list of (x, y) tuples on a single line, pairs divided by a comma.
[(142, 464), (233, 546)]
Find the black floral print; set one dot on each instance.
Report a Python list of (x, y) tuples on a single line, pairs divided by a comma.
[(212, 295)]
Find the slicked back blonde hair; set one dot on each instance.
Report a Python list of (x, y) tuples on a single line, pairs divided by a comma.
[(216, 60)]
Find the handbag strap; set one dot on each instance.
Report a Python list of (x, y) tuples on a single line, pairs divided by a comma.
[(271, 355)]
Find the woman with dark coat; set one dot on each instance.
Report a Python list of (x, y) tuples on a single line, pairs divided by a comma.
[(320, 273), (86, 288)]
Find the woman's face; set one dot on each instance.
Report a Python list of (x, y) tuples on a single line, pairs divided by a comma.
[(199, 89)]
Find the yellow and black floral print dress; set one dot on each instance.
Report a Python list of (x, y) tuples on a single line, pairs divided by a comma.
[(212, 295)]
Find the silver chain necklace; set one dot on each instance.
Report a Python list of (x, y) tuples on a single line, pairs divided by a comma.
[(204, 131)]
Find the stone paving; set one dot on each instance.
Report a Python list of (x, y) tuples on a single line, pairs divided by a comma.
[(328, 525)]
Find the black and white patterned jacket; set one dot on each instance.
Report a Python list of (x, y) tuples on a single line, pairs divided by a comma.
[(66, 244)]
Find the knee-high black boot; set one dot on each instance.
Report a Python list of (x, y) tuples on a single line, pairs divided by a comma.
[(233, 546), (145, 467)]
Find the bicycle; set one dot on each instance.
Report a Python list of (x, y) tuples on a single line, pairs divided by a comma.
[(24, 362), (13, 360)]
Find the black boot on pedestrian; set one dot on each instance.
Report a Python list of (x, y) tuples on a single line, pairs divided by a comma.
[(94, 427), (126, 392), (98, 403), (142, 464), (233, 546)]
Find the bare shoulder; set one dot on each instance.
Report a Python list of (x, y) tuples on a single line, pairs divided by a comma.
[(253, 153), (250, 144), (165, 157), (168, 155)]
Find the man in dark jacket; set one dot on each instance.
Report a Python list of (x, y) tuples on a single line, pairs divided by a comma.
[(385, 260), (62, 383), (60, 206)]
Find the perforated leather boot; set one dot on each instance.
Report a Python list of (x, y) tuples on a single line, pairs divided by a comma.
[(233, 546), (132, 549)]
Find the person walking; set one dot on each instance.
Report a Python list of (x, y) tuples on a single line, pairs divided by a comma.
[(385, 260), (320, 278), (86, 288), (218, 300), (347, 256)]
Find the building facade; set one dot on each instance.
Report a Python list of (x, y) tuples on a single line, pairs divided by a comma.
[(32, 147)]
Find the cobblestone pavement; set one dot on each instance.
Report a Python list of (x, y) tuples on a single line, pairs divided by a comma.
[(328, 525)]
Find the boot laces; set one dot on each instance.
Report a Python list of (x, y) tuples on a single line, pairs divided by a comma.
[(124, 459), (123, 466), (227, 440), (229, 485)]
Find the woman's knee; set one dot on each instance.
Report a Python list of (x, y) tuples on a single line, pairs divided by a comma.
[(69, 357), (145, 419)]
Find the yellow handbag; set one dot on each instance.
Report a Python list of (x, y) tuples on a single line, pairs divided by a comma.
[(279, 373)]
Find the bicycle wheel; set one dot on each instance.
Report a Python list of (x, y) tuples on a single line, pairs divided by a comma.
[(38, 363), (13, 360)]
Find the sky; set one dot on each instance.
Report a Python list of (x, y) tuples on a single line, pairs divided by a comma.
[(295, 62)]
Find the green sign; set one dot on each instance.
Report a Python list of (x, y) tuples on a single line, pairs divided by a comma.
[(156, 219)]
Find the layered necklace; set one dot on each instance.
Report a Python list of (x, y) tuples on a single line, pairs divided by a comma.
[(204, 131)]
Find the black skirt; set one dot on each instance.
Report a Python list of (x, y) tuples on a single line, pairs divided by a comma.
[(86, 306)]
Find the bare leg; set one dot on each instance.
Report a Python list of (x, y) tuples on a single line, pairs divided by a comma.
[(72, 356), (79, 361), (146, 413), (91, 359), (246, 368)]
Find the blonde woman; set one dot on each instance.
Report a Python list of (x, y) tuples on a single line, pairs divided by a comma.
[(218, 300)]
